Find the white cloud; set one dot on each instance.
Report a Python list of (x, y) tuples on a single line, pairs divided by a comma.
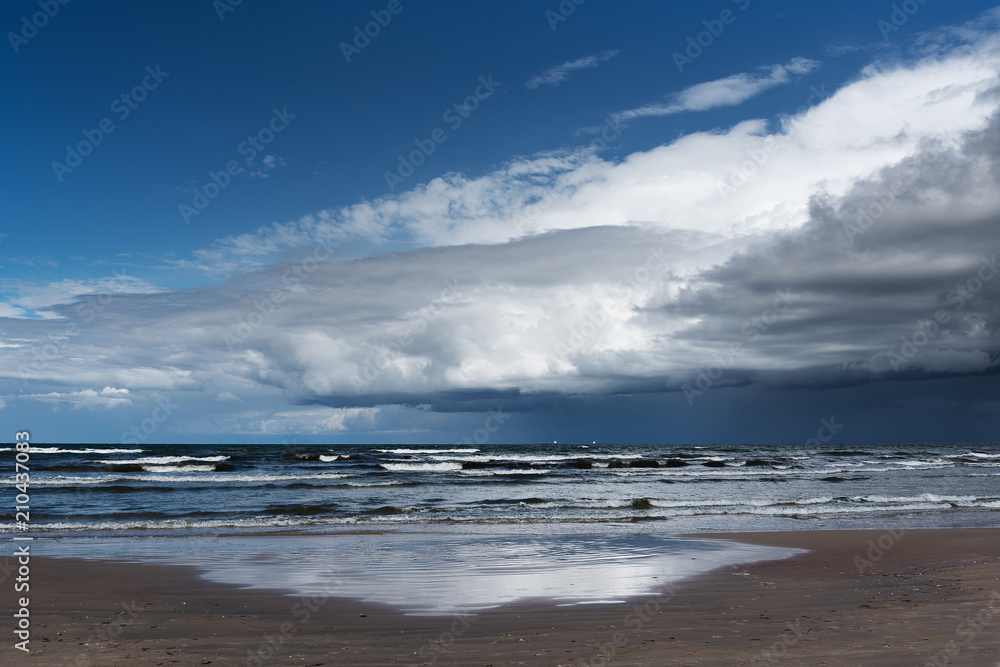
[(874, 121), (7, 310), (91, 400), (267, 164), (559, 74), (40, 298), (305, 421), (727, 92), (553, 291)]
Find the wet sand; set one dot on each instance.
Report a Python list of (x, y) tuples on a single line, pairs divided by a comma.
[(922, 596)]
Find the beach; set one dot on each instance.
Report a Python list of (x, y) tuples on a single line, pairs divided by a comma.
[(855, 597)]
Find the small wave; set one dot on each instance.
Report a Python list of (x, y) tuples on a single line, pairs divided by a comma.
[(509, 501), (421, 467), (489, 473), (181, 468), (163, 460), (427, 451), (924, 497), (215, 478), (86, 450), (363, 485), (386, 510), (533, 458), (300, 509)]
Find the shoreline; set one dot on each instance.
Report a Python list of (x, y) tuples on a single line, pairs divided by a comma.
[(846, 601)]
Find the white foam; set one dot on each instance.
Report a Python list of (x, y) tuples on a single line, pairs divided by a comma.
[(427, 451), (162, 460), (533, 458), (421, 467), (87, 450), (71, 480), (490, 473)]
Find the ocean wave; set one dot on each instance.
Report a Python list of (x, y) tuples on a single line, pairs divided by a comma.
[(163, 460), (427, 451), (421, 467), (315, 515), (490, 473), (363, 485), (923, 497), (86, 450), (532, 458), (217, 478), (180, 468)]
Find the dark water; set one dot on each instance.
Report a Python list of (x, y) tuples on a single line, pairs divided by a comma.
[(195, 489)]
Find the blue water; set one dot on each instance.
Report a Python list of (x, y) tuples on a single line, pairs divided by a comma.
[(194, 490)]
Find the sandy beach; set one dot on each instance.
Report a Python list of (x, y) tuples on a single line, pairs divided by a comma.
[(932, 595)]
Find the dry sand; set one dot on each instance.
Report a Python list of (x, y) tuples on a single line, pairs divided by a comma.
[(933, 595)]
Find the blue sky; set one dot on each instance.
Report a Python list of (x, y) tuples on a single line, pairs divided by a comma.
[(580, 246)]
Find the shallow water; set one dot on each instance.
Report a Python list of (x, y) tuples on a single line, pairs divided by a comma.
[(438, 574)]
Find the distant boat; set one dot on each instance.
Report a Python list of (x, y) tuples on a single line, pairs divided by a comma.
[(549, 443)]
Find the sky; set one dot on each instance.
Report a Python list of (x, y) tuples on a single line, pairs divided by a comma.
[(400, 221)]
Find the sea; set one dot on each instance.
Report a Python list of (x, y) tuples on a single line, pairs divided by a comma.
[(208, 489), (439, 530)]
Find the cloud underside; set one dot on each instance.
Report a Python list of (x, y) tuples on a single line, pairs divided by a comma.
[(854, 245)]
